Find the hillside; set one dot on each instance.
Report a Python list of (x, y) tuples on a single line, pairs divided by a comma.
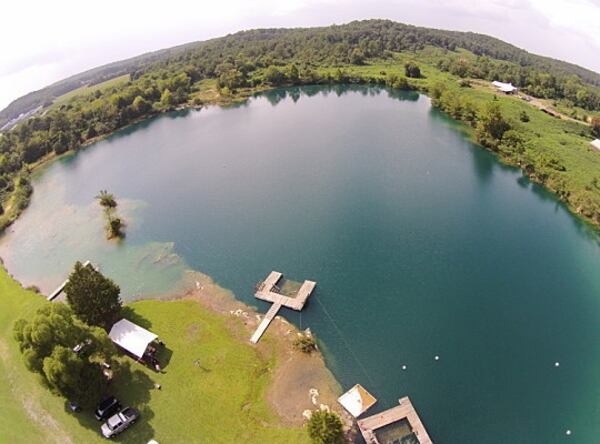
[(446, 65), (332, 44), (45, 96)]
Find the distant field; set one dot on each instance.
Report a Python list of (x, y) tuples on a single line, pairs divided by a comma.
[(220, 399), (87, 90)]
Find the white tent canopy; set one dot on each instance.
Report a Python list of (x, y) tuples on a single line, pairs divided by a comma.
[(131, 337), (357, 400), (596, 144)]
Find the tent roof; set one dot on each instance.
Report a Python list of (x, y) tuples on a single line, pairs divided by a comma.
[(357, 400), (131, 337), (596, 144), (504, 87)]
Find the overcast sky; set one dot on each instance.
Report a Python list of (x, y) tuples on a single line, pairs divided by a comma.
[(45, 41)]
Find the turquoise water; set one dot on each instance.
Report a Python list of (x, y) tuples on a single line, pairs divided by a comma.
[(422, 245)]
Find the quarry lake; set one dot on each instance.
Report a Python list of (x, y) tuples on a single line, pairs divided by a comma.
[(422, 244)]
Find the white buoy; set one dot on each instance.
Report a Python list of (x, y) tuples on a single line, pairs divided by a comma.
[(557, 364), (437, 358), (403, 367), (568, 432)]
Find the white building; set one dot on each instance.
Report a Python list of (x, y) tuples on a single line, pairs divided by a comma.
[(506, 88), (131, 337), (596, 144)]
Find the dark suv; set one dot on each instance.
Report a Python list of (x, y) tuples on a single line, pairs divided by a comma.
[(107, 408)]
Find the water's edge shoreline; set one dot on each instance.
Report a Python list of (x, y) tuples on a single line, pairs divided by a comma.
[(288, 393), (12, 213), (295, 377)]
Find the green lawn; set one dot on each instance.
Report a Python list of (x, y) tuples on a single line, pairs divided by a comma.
[(221, 400), (86, 90)]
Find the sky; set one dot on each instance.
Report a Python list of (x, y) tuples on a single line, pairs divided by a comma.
[(46, 41)]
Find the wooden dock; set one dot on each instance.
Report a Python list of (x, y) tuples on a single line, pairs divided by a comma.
[(368, 426), (265, 292), (61, 287), (262, 327)]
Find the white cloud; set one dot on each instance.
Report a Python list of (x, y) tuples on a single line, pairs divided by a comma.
[(580, 16), (46, 41)]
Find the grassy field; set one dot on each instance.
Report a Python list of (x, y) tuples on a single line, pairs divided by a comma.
[(87, 90), (220, 399)]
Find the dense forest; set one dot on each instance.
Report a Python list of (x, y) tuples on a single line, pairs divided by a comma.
[(262, 58), (333, 45)]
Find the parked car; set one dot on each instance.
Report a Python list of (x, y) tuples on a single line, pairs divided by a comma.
[(119, 422), (107, 408)]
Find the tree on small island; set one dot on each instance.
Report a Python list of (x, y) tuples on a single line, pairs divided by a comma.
[(94, 298), (325, 428), (114, 224), (107, 200), (114, 227), (66, 353)]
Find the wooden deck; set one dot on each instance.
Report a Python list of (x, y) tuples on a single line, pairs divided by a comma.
[(265, 293), (369, 426), (61, 287)]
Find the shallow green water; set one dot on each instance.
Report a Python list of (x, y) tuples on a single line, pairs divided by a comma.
[(421, 243)]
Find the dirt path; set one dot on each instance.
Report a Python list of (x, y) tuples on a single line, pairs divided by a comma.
[(541, 105), (533, 101)]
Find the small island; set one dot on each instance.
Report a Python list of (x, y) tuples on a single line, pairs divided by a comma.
[(114, 223)]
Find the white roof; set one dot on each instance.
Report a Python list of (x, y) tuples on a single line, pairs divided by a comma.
[(357, 400), (131, 337), (504, 87), (596, 144)]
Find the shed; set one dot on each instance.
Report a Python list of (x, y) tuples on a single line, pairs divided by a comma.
[(596, 144), (507, 88), (357, 400), (131, 337)]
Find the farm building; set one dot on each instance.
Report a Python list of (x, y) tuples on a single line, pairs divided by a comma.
[(506, 88)]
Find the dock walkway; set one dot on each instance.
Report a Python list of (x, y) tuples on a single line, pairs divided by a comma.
[(262, 327), (62, 286), (265, 292)]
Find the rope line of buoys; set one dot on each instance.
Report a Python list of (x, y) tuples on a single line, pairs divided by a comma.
[(362, 367)]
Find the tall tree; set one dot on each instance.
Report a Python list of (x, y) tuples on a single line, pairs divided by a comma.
[(412, 70), (166, 99), (94, 298), (325, 428), (67, 353), (492, 126)]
